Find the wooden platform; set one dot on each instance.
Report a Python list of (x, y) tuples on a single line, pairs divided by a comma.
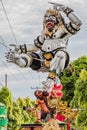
[(38, 127), (31, 127)]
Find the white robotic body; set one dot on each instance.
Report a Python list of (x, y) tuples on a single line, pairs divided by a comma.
[(31, 47), (21, 48), (56, 41), (60, 31), (28, 59), (20, 62), (49, 83), (53, 44), (16, 56), (53, 64), (58, 62), (57, 81), (73, 18), (41, 37), (12, 56)]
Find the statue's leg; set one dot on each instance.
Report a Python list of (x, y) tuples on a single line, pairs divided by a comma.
[(57, 66), (23, 60), (58, 62)]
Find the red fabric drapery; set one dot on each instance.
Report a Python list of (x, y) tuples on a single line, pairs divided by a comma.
[(61, 118)]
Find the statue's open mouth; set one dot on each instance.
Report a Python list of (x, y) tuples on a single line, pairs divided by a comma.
[(49, 24)]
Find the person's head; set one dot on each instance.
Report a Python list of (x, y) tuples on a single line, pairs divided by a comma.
[(38, 93), (52, 19)]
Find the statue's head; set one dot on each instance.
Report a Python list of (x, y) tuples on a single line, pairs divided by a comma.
[(52, 19), (38, 93)]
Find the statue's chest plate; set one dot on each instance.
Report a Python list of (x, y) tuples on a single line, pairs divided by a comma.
[(52, 44)]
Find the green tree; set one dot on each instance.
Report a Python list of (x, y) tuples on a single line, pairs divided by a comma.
[(17, 117), (29, 102), (68, 78), (81, 94), (26, 116), (6, 98)]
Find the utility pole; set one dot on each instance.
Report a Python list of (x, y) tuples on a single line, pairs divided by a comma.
[(5, 79)]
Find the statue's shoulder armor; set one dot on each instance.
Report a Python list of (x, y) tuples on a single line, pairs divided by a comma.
[(71, 29), (38, 43)]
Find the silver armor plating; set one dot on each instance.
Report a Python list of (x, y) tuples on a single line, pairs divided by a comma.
[(51, 45)]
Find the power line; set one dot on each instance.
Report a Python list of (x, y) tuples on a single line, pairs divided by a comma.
[(17, 77), (11, 31), (23, 76), (8, 21), (18, 71), (3, 43)]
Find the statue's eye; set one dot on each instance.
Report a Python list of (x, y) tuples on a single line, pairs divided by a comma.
[(47, 18), (53, 18)]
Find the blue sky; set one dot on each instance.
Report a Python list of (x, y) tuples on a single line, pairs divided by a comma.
[(26, 19)]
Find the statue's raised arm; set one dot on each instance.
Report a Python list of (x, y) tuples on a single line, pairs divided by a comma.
[(75, 22)]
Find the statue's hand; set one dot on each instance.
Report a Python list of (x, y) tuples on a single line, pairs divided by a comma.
[(59, 7), (66, 10), (62, 8), (15, 48), (21, 60), (12, 56), (49, 83)]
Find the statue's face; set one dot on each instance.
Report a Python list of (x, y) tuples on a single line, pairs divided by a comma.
[(38, 94), (50, 21)]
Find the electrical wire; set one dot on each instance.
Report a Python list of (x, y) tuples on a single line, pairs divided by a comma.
[(17, 78), (22, 75), (30, 74), (8, 21), (3, 43)]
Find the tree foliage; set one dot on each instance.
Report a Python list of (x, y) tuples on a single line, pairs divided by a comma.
[(69, 77), (20, 116), (81, 94), (15, 113), (6, 97)]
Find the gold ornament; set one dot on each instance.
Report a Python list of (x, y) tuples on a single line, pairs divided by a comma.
[(48, 57), (62, 106), (51, 125)]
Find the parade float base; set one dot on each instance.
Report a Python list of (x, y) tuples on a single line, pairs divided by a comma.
[(62, 126), (31, 126)]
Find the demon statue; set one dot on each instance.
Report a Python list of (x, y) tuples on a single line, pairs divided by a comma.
[(49, 51)]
